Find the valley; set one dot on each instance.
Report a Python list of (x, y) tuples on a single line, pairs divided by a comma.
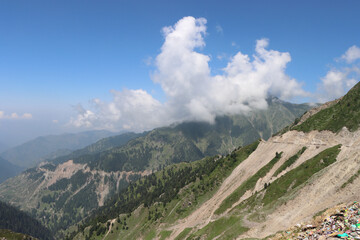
[(179, 120)]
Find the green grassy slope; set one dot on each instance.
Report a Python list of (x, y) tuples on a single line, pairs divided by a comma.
[(344, 113), (10, 235)]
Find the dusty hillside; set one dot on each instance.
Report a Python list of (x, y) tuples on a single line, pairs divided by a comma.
[(55, 195), (323, 191)]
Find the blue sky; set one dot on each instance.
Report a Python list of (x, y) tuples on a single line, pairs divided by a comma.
[(56, 56)]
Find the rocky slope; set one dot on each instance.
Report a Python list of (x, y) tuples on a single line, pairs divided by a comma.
[(54, 191), (312, 166)]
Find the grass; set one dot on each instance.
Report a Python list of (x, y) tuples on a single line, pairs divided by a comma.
[(164, 234), (8, 234), (142, 226), (285, 187), (351, 179), (151, 235), (319, 213), (224, 228), (210, 182), (344, 113), (247, 185), (300, 175), (183, 234), (289, 162)]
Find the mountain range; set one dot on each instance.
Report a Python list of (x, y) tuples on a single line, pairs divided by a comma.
[(54, 191), (20, 225), (252, 193), (8, 170), (48, 147)]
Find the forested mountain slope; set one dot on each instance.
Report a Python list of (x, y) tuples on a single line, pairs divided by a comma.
[(20, 222), (54, 192), (253, 192)]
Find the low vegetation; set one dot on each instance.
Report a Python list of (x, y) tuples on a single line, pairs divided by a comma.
[(351, 179), (249, 184), (166, 195), (224, 228), (345, 113), (288, 183), (289, 162), (8, 234), (300, 175), (20, 222)]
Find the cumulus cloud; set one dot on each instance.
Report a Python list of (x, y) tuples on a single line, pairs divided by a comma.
[(192, 93), (129, 109), (352, 54), (336, 83), (15, 116)]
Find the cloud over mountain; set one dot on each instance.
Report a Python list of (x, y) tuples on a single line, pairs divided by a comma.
[(338, 81), (192, 93)]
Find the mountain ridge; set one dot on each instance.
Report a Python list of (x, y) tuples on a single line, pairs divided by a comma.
[(8, 170), (286, 180), (102, 170), (41, 148)]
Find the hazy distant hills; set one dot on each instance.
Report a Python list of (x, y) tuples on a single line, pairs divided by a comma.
[(8, 170), (3, 147), (49, 147)]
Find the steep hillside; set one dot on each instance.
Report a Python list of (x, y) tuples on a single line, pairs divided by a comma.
[(193, 140), (20, 222), (55, 195), (8, 170), (48, 147), (8, 234), (54, 192), (287, 180), (343, 113)]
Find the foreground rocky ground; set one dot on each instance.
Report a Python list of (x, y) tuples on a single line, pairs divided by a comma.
[(339, 222)]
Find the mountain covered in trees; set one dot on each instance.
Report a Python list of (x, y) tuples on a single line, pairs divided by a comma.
[(20, 222), (54, 192), (253, 192)]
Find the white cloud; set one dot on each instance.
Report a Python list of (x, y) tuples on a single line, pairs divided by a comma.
[(15, 116), (336, 83), (352, 54), (129, 109), (27, 115), (192, 93)]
